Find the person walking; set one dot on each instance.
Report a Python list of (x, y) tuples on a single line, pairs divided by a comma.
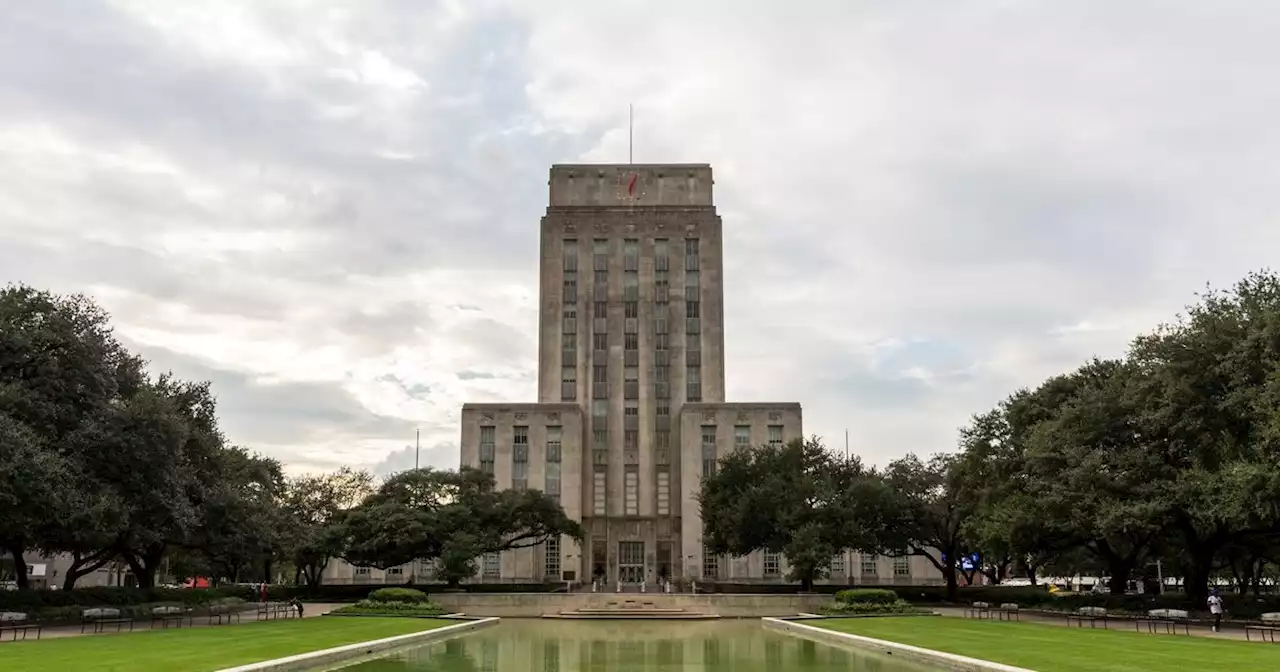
[(1215, 608)]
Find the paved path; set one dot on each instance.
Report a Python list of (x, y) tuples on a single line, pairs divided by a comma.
[(309, 610), (1228, 631)]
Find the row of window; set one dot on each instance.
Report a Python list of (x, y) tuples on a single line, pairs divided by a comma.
[(630, 253), (741, 439), (520, 457)]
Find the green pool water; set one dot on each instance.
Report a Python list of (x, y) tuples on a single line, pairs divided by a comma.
[(535, 645)]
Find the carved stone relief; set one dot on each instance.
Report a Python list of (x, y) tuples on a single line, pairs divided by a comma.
[(708, 416), (486, 418), (775, 415), (743, 416), (553, 417), (521, 417)]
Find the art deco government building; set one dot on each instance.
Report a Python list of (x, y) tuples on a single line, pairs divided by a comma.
[(631, 410)]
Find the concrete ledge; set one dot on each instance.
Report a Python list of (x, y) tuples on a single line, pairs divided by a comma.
[(352, 653), (946, 661)]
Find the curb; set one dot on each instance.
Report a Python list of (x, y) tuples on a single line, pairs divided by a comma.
[(946, 661), (360, 650)]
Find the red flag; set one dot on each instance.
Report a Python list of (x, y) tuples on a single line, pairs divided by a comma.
[(631, 186)]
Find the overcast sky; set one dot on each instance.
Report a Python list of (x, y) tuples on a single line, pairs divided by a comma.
[(330, 209)]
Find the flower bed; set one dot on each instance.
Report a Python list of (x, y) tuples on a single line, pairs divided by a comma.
[(402, 602), (870, 602)]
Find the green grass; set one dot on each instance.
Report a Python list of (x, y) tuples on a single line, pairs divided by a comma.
[(200, 649), (1054, 648)]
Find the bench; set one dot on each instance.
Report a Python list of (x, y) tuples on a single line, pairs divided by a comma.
[(1091, 614), (15, 622), (170, 614), (101, 617), (978, 610), (268, 610), (1008, 611), (1170, 618), (1266, 629), (224, 613)]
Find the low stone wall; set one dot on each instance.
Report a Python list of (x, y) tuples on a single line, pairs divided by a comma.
[(353, 653), (533, 605), (945, 661)]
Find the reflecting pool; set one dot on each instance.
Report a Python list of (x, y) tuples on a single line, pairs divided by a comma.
[(538, 645)]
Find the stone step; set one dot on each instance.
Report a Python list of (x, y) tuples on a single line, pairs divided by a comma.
[(615, 616), (629, 610)]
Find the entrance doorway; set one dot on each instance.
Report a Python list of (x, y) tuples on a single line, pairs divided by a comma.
[(631, 561)]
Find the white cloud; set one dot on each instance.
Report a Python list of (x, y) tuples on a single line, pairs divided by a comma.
[(925, 205)]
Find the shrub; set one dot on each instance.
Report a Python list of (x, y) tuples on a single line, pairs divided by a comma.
[(896, 607), (391, 608), (406, 595), (867, 596)]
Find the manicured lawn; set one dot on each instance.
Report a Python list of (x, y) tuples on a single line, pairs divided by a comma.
[(200, 649), (1052, 648)]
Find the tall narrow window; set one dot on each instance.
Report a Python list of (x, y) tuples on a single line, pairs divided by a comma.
[(631, 494), (902, 565), (600, 311), (519, 458), (600, 375), (598, 493), (691, 253), (631, 286), (693, 383), (487, 449), (664, 493), (775, 436), (551, 559), (570, 292), (868, 564), (837, 564), (708, 450), (552, 487), (741, 437), (662, 447), (692, 290), (600, 253), (570, 254), (568, 383), (599, 341), (710, 565), (492, 566), (661, 252)]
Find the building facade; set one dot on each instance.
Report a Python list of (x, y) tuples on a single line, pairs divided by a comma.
[(631, 409)]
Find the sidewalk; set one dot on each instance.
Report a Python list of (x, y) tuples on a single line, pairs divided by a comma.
[(309, 610), (1119, 624)]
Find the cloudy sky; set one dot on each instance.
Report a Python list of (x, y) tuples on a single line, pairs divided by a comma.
[(330, 209)]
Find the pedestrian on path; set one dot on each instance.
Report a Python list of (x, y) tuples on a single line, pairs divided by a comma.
[(1215, 608)]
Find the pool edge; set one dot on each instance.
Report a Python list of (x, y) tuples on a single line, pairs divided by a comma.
[(947, 661), (351, 653)]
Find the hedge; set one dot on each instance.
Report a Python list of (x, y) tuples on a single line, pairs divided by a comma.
[(867, 596)]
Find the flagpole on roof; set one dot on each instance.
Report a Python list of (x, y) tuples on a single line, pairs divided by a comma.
[(631, 133)]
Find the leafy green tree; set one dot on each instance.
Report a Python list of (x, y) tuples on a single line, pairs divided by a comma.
[(930, 505), (451, 517), (313, 507), (797, 499), (241, 521)]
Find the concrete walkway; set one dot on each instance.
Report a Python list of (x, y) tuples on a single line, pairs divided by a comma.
[(309, 610), (1120, 625)]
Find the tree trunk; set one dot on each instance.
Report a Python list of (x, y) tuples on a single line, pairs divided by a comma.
[(297, 576), (806, 584), (1196, 573), (953, 586), (266, 571), (144, 565), (20, 567), (83, 567), (1118, 584), (1031, 574)]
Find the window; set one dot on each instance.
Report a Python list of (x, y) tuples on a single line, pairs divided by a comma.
[(569, 342), (660, 341), (570, 254), (597, 493), (395, 571), (902, 565), (599, 341), (710, 565), (601, 246), (693, 342), (519, 458), (553, 479), (632, 310), (600, 439), (631, 493), (554, 436), (631, 284), (569, 374), (631, 341), (569, 383), (662, 446), (662, 409), (664, 493), (551, 559), (708, 450), (837, 564), (600, 310), (693, 383), (661, 374), (631, 409), (630, 247), (570, 311), (600, 375), (772, 564), (661, 286), (691, 310), (630, 442), (775, 436), (660, 249), (691, 254), (362, 571), (570, 293), (869, 563), (691, 280), (741, 436), (693, 374), (487, 435), (492, 566), (660, 322)]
